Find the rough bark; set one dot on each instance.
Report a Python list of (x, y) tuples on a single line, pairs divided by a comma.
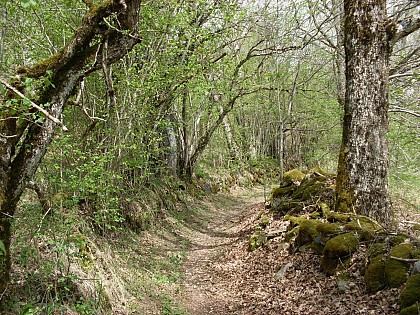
[(362, 183), (23, 145)]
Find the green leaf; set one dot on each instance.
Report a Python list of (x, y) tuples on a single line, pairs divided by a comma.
[(2, 248)]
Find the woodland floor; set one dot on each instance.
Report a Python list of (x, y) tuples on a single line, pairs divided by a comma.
[(223, 277)]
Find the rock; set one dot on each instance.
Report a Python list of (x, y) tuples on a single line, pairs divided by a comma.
[(283, 270), (411, 310), (416, 268), (395, 272), (375, 274), (376, 250), (336, 250), (293, 175), (344, 285), (411, 293), (364, 227), (256, 240)]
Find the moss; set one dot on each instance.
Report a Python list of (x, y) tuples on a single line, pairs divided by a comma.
[(293, 176), (416, 227), (291, 234), (280, 192), (364, 226), (325, 208), (338, 217), (415, 254), (256, 240), (411, 310), (397, 239), (411, 292), (264, 221), (41, 68), (295, 220), (376, 250), (308, 189), (315, 215), (328, 228), (375, 274), (307, 232), (402, 251), (321, 171), (395, 272), (341, 246), (336, 250)]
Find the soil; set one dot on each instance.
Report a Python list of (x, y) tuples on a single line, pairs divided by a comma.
[(223, 277)]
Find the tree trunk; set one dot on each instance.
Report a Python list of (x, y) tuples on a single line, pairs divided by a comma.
[(23, 145), (362, 183)]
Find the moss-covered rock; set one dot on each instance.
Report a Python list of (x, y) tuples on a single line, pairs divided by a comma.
[(397, 239), (329, 228), (364, 226), (336, 250), (402, 250), (376, 250), (396, 272), (411, 310), (411, 293), (375, 274), (256, 240), (293, 175), (307, 232), (281, 192), (309, 188), (338, 217), (341, 246)]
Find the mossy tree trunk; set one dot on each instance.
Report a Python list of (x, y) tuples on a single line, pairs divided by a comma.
[(362, 180), (23, 142)]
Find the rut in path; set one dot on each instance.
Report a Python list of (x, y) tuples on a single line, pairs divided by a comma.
[(204, 290)]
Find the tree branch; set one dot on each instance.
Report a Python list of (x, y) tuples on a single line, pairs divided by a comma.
[(37, 107), (409, 27)]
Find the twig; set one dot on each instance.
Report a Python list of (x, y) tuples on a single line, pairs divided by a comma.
[(37, 107), (404, 259)]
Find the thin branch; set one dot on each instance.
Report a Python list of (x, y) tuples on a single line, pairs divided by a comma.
[(411, 27), (37, 107), (398, 109), (404, 259)]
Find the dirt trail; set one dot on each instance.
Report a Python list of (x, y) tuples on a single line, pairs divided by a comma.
[(223, 278), (204, 290)]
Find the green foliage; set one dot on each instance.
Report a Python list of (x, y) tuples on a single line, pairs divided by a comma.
[(2, 248)]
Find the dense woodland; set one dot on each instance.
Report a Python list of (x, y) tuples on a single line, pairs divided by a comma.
[(113, 113)]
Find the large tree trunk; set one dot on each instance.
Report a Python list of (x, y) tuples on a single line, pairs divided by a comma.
[(23, 145), (362, 183)]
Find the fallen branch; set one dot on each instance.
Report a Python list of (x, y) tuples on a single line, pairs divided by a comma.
[(37, 107), (404, 259)]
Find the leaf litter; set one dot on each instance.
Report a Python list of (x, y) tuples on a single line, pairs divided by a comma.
[(223, 277)]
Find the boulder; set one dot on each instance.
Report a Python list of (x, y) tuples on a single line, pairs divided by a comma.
[(410, 295)]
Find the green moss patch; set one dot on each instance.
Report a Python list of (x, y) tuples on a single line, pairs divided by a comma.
[(256, 240), (402, 251), (411, 293), (337, 250), (364, 226), (395, 272), (375, 274), (280, 192), (293, 176), (411, 310), (376, 250)]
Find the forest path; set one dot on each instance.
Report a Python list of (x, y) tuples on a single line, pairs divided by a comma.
[(227, 218), (223, 278)]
